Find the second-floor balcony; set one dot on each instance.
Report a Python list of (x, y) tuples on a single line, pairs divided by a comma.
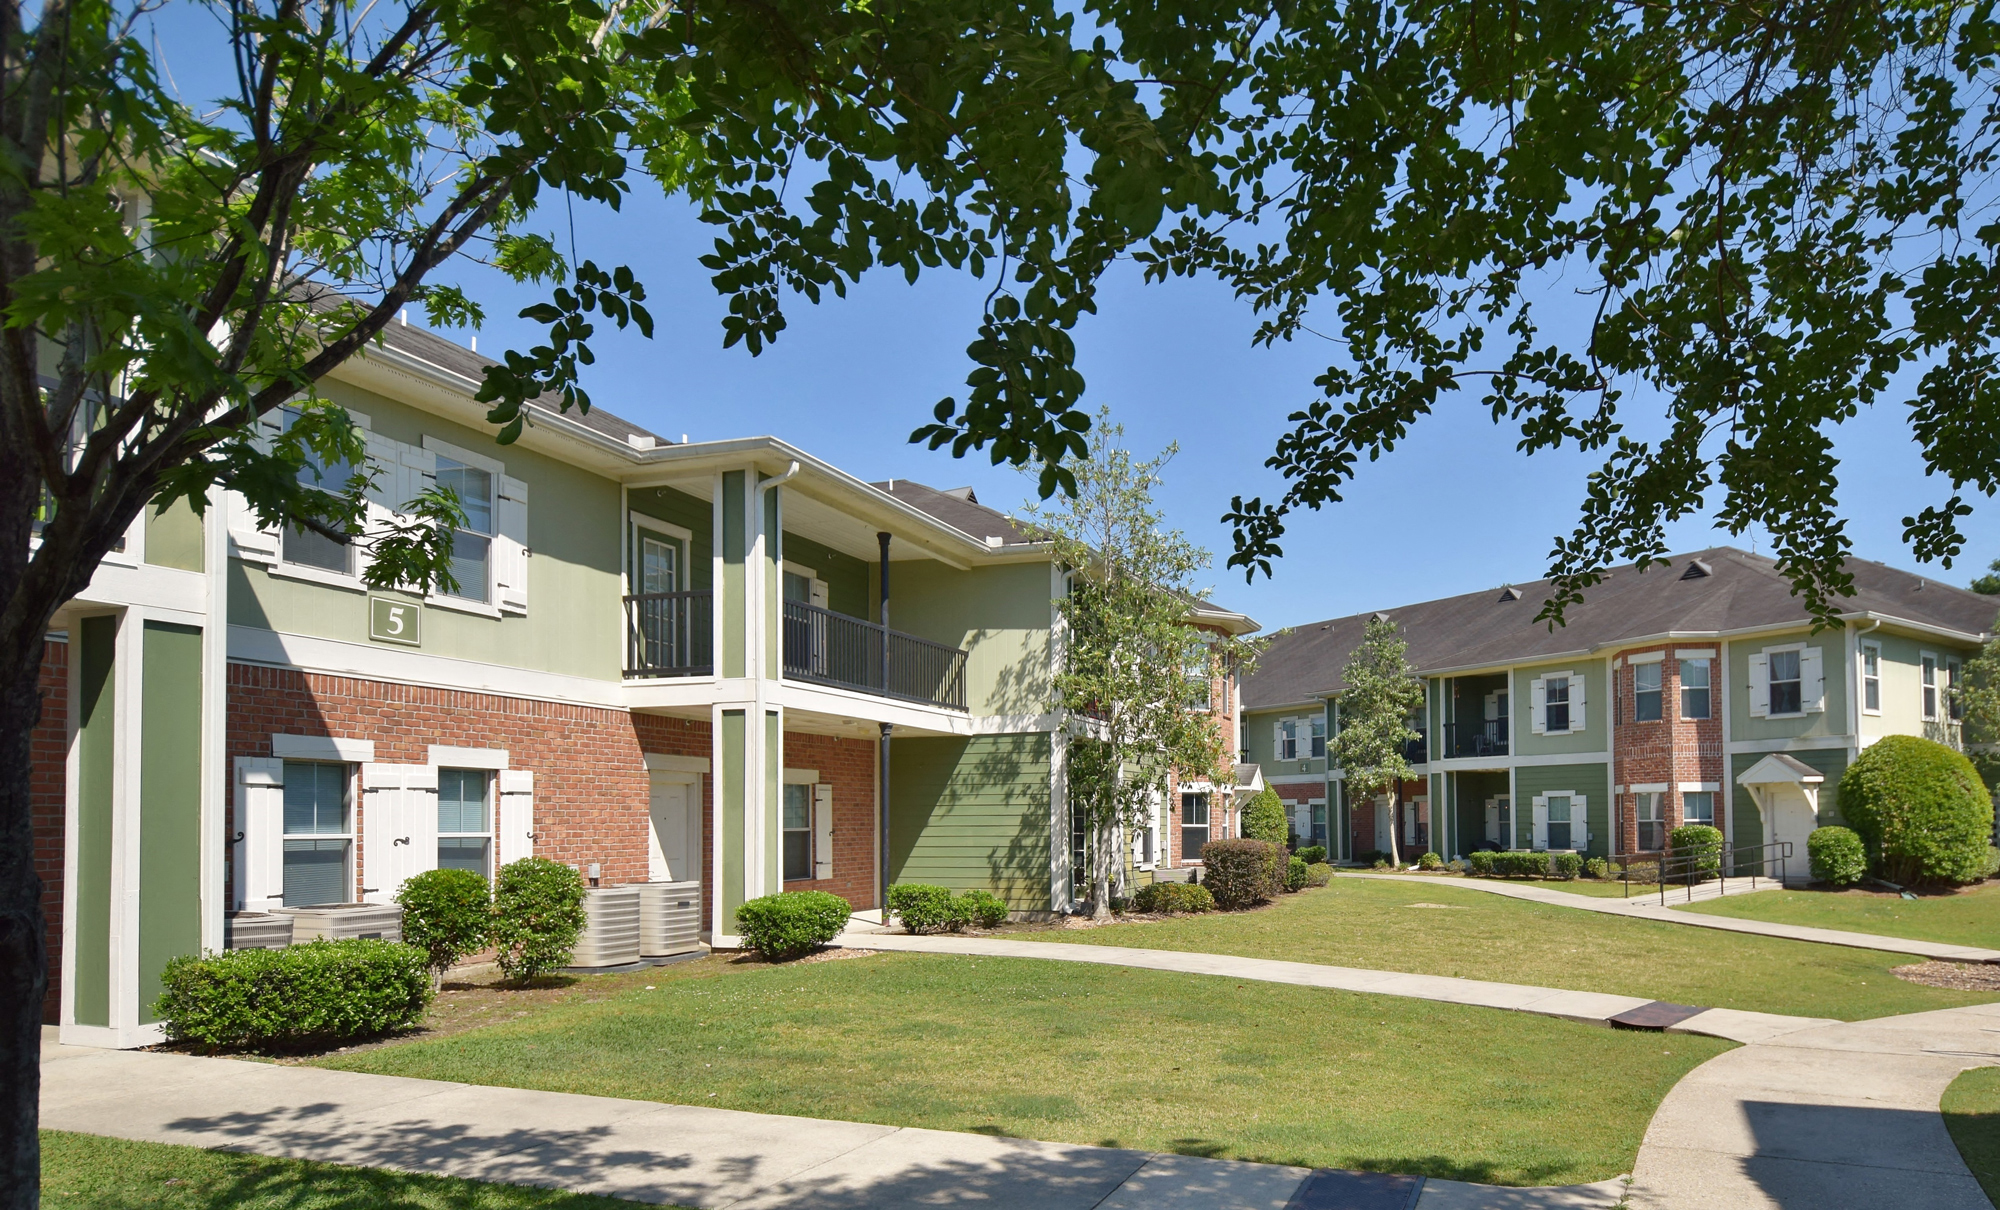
[(672, 634), (1481, 738)]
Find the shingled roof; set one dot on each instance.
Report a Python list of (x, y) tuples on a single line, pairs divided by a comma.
[(958, 508), (1709, 592)]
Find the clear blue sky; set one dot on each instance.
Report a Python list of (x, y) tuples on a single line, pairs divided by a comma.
[(1455, 509)]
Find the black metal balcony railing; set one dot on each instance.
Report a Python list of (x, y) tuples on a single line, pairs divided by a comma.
[(670, 633), (1417, 751), (1487, 738), (834, 649)]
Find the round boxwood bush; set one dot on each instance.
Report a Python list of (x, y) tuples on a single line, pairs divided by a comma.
[(1167, 898), (318, 992), (1264, 818), (1701, 842), (1836, 856), (982, 908), (447, 914), (1430, 861), (1313, 854), (1921, 810), (1242, 873), (1479, 863), (537, 916), (1318, 873), (1295, 874), (791, 923), (1566, 866), (924, 908)]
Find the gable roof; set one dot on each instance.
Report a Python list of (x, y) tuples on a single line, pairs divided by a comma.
[(960, 509), (1739, 592)]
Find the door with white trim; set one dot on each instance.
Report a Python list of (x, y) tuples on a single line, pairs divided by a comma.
[(672, 855)]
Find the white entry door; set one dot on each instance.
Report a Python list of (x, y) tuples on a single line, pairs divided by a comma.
[(672, 855), (1789, 816)]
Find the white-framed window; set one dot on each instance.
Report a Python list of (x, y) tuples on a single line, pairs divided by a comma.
[(1648, 695), (1929, 679), (1194, 825), (1288, 739), (1698, 806), (305, 547), (1557, 703), (1787, 696), (1561, 821), (1871, 678), (1953, 706), (1787, 681), (1319, 738), (465, 820), (472, 543), (798, 839), (1650, 811), (319, 833), (1696, 700)]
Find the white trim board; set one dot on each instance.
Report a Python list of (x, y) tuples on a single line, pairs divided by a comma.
[(400, 665), (444, 756), (1802, 743), (326, 748), (664, 763)]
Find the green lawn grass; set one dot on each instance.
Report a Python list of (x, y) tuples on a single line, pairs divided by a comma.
[(1970, 917), (1100, 1055), (1972, 1114), (83, 1170), (1372, 923)]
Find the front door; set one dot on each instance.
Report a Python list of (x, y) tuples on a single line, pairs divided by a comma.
[(672, 855), (1788, 816)]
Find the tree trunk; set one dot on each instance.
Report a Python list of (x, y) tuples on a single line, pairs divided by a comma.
[(23, 949), (1395, 822)]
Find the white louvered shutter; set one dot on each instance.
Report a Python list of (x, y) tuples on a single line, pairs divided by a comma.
[(510, 545), (384, 842), (389, 489), (1579, 828), (1538, 701), (517, 815), (1760, 686), (260, 833), (1812, 680), (822, 831), (1541, 822), (1579, 702), (251, 540)]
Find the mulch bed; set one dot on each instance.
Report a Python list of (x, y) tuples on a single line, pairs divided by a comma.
[(1959, 976)]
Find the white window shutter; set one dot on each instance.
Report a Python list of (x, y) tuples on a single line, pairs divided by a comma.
[(383, 842), (251, 540), (389, 490), (1812, 680), (1278, 740), (1579, 702), (1541, 822), (510, 545), (1760, 686), (260, 833), (1579, 828), (1538, 701), (517, 816), (822, 831)]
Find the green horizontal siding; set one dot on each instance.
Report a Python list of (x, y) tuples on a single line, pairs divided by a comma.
[(1590, 780), (972, 814)]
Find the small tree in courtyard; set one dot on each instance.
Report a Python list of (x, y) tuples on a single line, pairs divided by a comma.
[(1136, 670), (1374, 718)]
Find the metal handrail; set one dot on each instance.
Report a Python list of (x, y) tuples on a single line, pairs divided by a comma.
[(834, 649), (1704, 865), (670, 633), (1484, 738)]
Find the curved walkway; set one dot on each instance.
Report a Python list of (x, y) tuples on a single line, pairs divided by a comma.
[(1649, 909)]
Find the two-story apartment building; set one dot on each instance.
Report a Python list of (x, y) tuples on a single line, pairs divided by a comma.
[(1692, 692), (726, 662)]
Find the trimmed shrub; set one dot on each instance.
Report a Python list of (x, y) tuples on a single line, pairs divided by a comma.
[(1313, 854), (1597, 867), (1264, 818), (1921, 810), (1521, 865), (1318, 873), (1239, 873), (1480, 863), (1370, 857), (1836, 855), (1168, 898), (1295, 874), (1701, 842), (1992, 863), (447, 914), (537, 916), (321, 991), (1565, 866), (791, 923), (982, 908), (924, 908), (1430, 861)]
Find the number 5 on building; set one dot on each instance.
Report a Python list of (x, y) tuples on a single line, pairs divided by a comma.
[(393, 621)]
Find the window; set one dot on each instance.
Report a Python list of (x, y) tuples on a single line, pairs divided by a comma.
[(472, 544), (1288, 739), (1646, 692), (1194, 825), (319, 834), (1200, 679), (1786, 697), (798, 831), (1556, 691), (465, 821), (1319, 738), (1650, 810), (1953, 706), (1930, 687), (309, 547), (1871, 678), (1698, 806), (1563, 832), (1695, 701)]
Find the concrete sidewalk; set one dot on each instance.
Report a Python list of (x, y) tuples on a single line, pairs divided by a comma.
[(710, 1159), (1593, 1008), (1650, 909)]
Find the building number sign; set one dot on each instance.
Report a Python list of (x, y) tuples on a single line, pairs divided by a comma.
[(393, 621)]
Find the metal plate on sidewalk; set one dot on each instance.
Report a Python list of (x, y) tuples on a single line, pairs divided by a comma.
[(1659, 1015), (1337, 1189)]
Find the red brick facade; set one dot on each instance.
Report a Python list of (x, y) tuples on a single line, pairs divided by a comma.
[(49, 752), (848, 765), (1670, 751), (1361, 823)]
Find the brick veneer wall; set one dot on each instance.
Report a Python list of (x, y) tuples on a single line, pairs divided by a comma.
[(48, 805), (1361, 818), (1672, 750), (848, 765), (681, 737)]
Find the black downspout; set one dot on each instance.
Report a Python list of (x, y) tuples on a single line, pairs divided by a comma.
[(882, 773)]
